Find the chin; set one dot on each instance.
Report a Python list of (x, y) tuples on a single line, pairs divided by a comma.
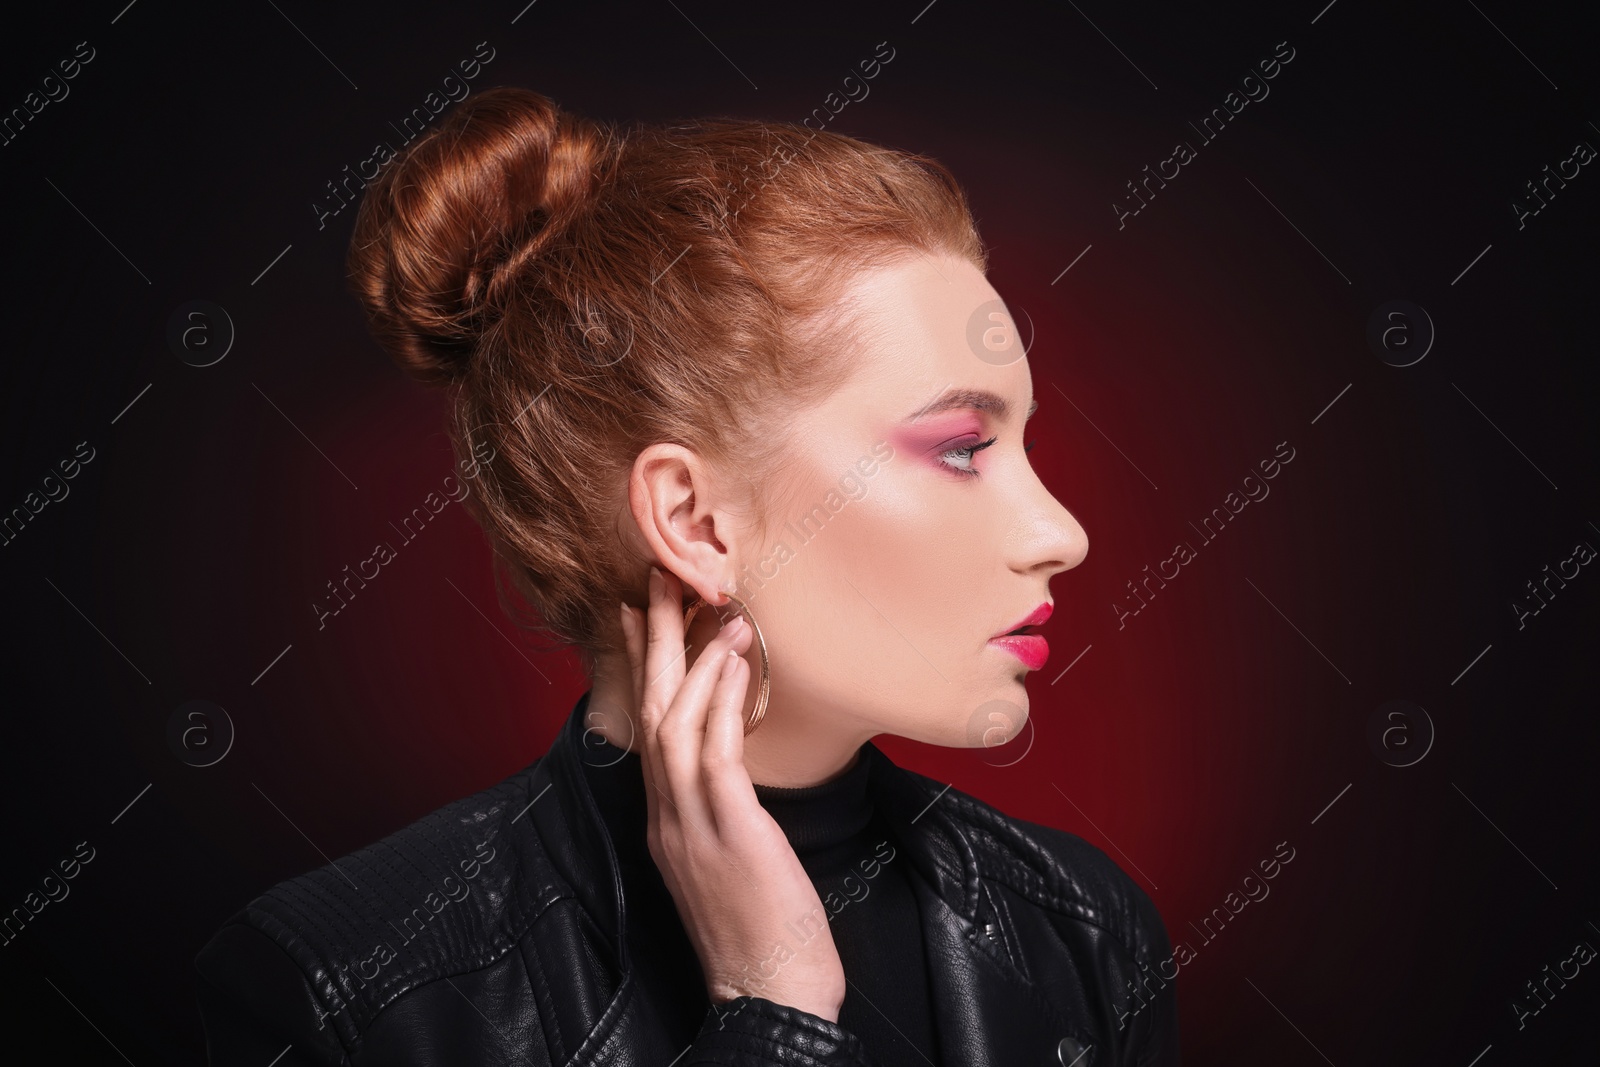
[(996, 719)]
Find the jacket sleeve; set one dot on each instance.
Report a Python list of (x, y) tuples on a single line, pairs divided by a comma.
[(256, 1005), (756, 1032)]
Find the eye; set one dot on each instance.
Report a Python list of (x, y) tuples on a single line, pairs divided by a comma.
[(965, 453), (1029, 446)]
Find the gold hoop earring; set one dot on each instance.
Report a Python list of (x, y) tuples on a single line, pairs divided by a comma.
[(764, 690)]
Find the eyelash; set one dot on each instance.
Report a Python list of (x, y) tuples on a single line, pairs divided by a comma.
[(971, 450)]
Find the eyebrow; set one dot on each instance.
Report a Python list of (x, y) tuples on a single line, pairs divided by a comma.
[(975, 399)]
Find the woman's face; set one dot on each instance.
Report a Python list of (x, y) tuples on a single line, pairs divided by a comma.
[(900, 544)]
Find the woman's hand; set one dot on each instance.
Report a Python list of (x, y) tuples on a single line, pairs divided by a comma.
[(749, 908)]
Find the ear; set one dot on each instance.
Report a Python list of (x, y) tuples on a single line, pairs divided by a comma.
[(675, 502)]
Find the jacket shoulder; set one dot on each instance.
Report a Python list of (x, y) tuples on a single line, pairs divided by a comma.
[(1060, 872), (448, 894)]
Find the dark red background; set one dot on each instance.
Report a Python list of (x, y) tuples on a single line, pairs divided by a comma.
[(1189, 343)]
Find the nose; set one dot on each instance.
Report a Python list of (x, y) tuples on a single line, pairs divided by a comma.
[(1051, 539)]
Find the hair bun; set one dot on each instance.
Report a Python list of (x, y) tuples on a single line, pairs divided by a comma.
[(462, 208)]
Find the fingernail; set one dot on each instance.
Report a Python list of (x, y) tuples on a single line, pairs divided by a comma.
[(655, 579)]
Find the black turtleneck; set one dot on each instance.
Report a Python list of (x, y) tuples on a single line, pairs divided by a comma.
[(864, 882), (860, 874)]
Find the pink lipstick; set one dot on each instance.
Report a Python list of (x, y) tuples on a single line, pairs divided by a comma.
[(1023, 643)]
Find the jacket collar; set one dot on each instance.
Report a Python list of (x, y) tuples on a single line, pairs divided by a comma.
[(989, 1014), (575, 836)]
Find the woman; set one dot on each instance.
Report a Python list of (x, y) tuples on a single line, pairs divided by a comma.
[(748, 366)]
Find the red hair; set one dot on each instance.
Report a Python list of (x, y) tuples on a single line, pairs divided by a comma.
[(585, 291)]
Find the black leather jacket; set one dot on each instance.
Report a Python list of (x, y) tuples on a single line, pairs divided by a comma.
[(488, 932)]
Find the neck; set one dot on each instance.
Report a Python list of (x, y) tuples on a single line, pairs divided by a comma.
[(794, 746)]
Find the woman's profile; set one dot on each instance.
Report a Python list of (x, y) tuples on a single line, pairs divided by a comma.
[(745, 423)]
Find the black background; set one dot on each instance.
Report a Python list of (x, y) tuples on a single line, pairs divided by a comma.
[(1230, 314)]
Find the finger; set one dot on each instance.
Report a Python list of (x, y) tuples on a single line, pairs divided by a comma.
[(661, 621), (728, 786), (664, 650), (685, 721), (633, 637), (680, 743), (633, 634), (684, 726)]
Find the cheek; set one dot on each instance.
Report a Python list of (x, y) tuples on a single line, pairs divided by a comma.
[(915, 535), (884, 607), (903, 568)]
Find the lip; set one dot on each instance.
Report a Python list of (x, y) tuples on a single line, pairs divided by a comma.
[(1031, 649), (1035, 618), (1028, 647)]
